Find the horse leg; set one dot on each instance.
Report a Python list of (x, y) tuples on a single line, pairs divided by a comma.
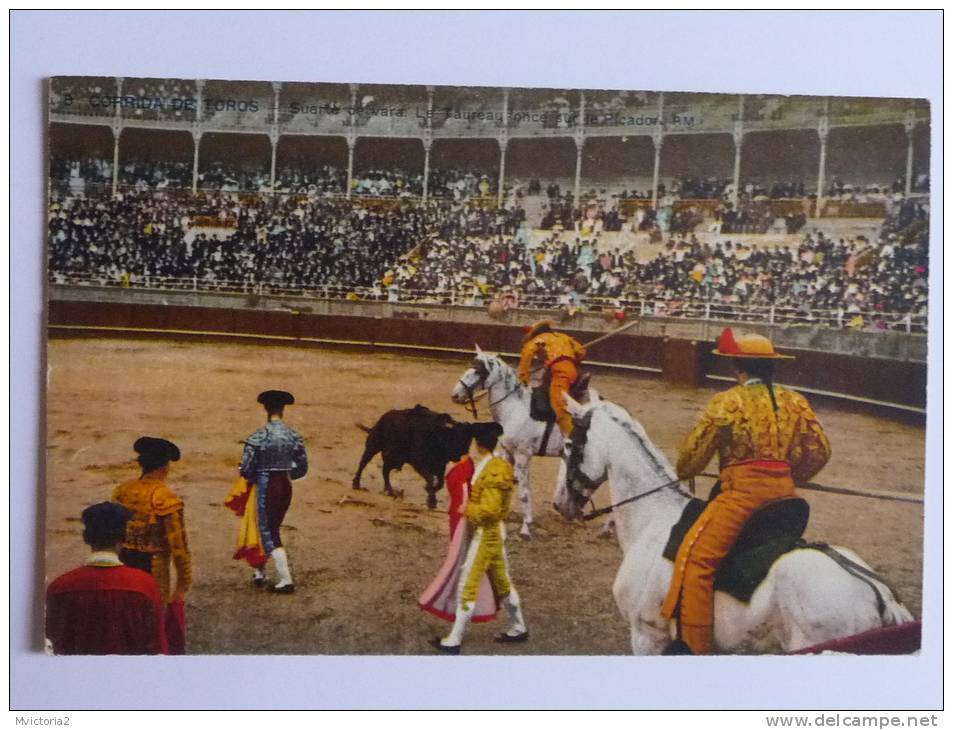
[(648, 639), (521, 471), (369, 453)]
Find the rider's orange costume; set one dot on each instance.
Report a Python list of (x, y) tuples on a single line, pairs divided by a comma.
[(560, 354), (762, 454)]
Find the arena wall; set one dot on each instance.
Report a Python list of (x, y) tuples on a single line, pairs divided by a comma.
[(679, 351)]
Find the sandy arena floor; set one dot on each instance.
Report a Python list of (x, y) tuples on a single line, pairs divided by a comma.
[(360, 559)]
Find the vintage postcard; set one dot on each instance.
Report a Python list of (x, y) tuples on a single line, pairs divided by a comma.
[(403, 369)]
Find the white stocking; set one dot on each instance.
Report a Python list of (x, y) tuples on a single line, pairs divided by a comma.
[(281, 565), (464, 613), (512, 604)]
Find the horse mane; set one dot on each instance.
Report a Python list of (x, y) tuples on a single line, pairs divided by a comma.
[(622, 418), (509, 374)]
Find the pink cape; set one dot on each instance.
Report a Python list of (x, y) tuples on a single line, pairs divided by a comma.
[(440, 598)]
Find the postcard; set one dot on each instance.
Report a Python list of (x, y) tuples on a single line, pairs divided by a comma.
[(370, 369)]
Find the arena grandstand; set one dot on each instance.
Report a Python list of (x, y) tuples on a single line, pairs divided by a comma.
[(801, 210)]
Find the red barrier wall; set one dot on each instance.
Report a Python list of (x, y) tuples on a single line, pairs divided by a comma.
[(681, 362)]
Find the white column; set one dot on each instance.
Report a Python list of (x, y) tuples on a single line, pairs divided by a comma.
[(738, 135), (428, 143), (275, 87), (275, 134), (910, 125), (822, 132), (580, 139), (580, 143), (657, 136), (274, 159), (117, 133), (657, 141), (351, 144), (196, 141), (197, 132), (502, 140)]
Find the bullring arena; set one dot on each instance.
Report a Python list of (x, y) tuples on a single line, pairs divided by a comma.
[(358, 258), (362, 558)]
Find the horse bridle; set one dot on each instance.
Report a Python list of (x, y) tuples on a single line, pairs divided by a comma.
[(481, 369), (573, 458)]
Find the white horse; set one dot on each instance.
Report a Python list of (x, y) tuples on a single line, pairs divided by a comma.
[(805, 599), (508, 401)]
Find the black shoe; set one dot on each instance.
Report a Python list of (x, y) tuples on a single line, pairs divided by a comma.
[(258, 582), (505, 638), (677, 648), (436, 644), (283, 590)]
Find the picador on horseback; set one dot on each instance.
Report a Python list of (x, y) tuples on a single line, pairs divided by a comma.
[(560, 355), (767, 439)]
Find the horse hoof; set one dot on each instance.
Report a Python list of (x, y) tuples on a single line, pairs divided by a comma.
[(525, 533), (431, 503)]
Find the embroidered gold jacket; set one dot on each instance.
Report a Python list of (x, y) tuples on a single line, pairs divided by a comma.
[(552, 346), (491, 494), (741, 425), (157, 526)]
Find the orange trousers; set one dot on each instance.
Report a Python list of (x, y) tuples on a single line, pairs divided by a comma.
[(745, 488), (562, 374)]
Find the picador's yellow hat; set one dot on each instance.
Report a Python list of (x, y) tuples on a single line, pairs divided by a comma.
[(537, 329), (748, 346)]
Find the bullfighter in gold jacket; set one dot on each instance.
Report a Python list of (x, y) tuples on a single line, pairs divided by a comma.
[(560, 354), (155, 534), (490, 498), (767, 439)]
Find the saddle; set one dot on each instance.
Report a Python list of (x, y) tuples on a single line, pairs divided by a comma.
[(540, 407), (772, 531)]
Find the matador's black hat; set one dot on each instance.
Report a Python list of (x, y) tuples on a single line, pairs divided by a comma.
[(156, 450), (106, 517), (479, 428), (276, 398)]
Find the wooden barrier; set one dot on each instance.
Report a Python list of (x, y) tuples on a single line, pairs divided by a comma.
[(682, 362)]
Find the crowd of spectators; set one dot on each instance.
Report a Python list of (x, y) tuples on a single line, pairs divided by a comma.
[(453, 247), (858, 283), (218, 238), (453, 184)]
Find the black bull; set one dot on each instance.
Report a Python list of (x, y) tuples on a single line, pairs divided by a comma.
[(426, 440)]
